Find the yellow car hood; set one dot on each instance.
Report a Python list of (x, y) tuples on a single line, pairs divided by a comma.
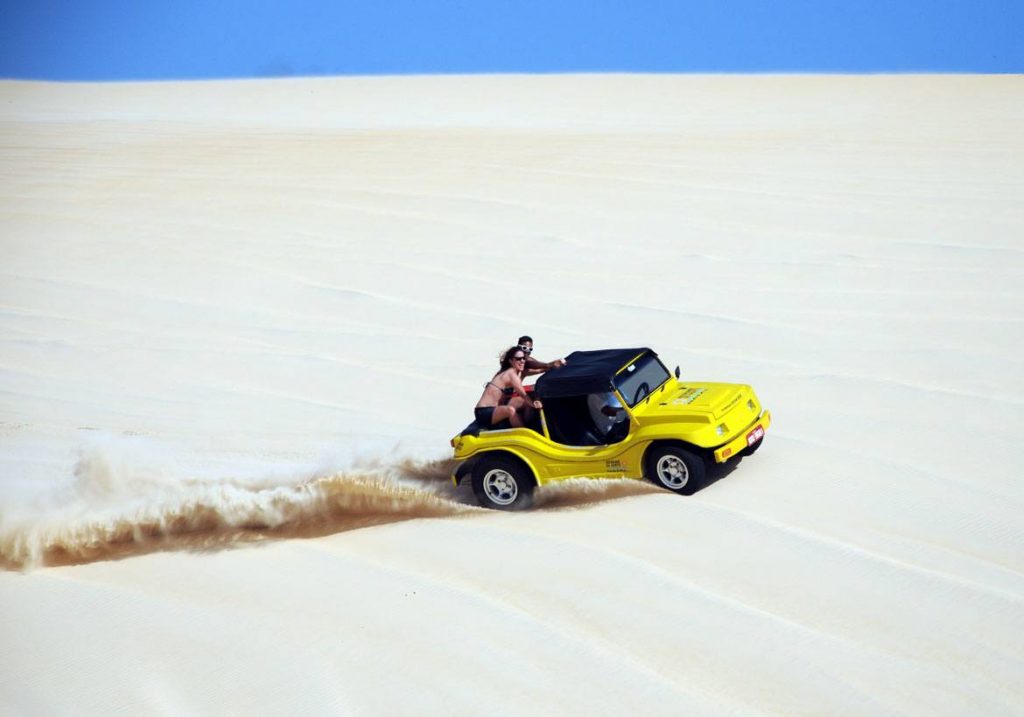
[(715, 399)]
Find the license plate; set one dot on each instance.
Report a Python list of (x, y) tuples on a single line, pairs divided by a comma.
[(755, 435)]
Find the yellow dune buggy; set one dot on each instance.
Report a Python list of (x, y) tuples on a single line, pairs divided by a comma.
[(614, 413)]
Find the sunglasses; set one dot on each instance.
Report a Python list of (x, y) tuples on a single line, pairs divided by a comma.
[(518, 358), (525, 350)]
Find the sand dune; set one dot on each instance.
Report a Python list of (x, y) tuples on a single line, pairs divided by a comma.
[(239, 322)]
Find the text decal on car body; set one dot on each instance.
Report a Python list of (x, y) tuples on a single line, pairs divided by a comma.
[(615, 466), (689, 396)]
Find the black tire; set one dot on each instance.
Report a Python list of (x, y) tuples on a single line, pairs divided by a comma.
[(676, 469), (502, 483)]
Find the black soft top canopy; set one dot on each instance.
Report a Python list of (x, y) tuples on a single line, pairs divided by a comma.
[(585, 372)]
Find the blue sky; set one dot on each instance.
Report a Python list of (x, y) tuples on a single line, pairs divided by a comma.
[(167, 39)]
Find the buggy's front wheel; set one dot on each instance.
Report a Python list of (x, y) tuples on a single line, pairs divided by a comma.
[(676, 469)]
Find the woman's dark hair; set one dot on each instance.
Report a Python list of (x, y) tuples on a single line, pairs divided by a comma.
[(507, 354)]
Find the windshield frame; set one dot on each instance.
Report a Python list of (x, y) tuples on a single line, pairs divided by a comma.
[(618, 382)]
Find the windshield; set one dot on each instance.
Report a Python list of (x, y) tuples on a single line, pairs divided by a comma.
[(640, 378)]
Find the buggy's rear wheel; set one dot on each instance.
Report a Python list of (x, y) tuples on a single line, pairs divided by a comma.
[(502, 483), (676, 469)]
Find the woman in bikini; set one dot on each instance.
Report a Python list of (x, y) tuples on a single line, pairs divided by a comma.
[(504, 397)]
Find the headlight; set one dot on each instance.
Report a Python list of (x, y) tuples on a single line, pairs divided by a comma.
[(750, 405), (721, 430)]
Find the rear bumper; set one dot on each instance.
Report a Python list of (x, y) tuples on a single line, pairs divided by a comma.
[(751, 435)]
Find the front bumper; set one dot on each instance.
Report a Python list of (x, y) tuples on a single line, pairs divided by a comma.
[(750, 436)]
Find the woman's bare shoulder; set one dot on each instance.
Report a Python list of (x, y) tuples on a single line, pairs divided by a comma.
[(505, 376)]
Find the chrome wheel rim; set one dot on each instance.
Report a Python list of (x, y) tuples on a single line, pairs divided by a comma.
[(500, 487), (672, 471)]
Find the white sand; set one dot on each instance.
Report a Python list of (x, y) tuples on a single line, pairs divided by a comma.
[(257, 311)]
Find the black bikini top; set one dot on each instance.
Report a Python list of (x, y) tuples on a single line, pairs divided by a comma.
[(507, 391)]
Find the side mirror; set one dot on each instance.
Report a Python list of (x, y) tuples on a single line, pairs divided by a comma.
[(677, 372)]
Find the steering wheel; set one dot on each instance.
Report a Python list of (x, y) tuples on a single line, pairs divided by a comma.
[(641, 391)]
